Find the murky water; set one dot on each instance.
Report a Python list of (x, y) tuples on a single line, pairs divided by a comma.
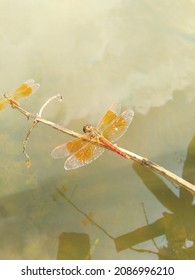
[(139, 53)]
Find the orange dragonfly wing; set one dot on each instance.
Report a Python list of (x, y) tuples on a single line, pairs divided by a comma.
[(3, 103), (112, 125), (80, 153), (24, 90), (109, 116)]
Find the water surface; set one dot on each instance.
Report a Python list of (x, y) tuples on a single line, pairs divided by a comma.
[(138, 53)]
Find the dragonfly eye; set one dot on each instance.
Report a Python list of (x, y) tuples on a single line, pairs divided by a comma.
[(87, 128)]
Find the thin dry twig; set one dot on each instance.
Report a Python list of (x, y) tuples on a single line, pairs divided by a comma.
[(35, 122), (141, 160), (59, 97), (25, 142)]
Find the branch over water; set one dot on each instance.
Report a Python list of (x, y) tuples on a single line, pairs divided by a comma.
[(141, 160)]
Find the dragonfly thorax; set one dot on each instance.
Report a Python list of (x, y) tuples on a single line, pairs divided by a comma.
[(91, 131)]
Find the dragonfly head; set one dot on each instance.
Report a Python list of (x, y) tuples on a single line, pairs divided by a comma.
[(87, 128)]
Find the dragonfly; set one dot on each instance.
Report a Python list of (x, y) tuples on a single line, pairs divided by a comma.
[(22, 91), (91, 145)]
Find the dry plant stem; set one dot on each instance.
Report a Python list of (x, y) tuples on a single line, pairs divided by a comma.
[(162, 171), (28, 163), (143, 161), (58, 97)]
